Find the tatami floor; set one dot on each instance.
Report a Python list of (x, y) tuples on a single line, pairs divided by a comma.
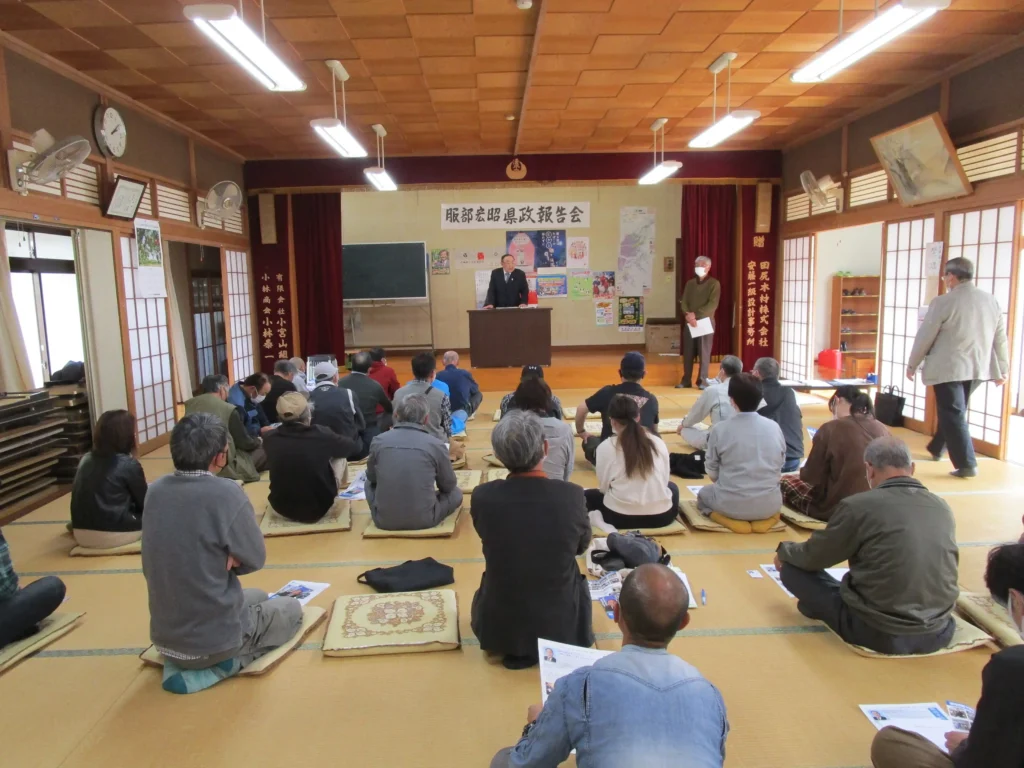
[(791, 688)]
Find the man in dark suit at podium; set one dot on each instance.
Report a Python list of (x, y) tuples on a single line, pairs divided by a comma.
[(508, 286)]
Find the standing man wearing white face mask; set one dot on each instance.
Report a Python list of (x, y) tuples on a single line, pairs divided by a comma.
[(996, 738), (962, 342), (246, 396), (701, 295)]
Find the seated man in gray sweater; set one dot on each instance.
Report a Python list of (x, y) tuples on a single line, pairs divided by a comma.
[(744, 458), (900, 541), (199, 534), (410, 483)]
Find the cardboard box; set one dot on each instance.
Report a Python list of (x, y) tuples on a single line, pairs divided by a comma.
[(662, 339)]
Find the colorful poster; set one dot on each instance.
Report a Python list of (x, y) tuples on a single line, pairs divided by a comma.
[(148, 258), (604, 311), (440, 262), (636, 251), (478, 258), (580, 284), (631, 314), (552, 286), (603, 285), (578, 252), (482, 281), (543, 248), (514, 215)]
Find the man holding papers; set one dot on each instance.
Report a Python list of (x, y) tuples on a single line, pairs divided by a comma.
[(699, 302), (642, 706)]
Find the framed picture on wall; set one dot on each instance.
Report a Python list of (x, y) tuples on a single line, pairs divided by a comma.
[(125, 198), (921, 162)]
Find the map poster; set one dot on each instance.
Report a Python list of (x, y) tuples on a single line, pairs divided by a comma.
[(603, 285), (552, 286), (631, 314), (604, 311), (537, 249), (578, 253), (440, 261), (636, 251), (580, 284)]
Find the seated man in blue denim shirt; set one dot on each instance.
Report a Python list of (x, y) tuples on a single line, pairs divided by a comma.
[(639, 708)]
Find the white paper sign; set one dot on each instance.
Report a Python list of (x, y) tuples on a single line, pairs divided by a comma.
[(482, 281), (933, 259), (577, 252), (477, 258), (148, 258), (514, 215)]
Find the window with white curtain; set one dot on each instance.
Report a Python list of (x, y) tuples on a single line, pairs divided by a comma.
[(904, 291), (796, 355), (45, 288), (986, 237)]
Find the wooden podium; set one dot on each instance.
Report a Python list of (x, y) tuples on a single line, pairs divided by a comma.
[(506, 338)]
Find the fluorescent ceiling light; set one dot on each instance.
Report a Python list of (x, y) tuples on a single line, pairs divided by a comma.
[(660, 172), (222, 25), (732, 123), (873, 35), (334, 132), (380, 179)]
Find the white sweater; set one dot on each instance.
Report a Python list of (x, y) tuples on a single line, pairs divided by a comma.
[(633, 495)]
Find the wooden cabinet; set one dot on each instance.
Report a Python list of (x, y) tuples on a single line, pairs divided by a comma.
[(856, 309)]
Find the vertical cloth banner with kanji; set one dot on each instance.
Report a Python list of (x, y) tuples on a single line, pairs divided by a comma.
[(272, 282), (759, 282)]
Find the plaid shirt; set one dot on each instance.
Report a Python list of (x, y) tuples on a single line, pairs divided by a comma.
[(8, 578)]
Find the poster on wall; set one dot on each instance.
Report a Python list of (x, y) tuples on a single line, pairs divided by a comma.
[(604, 311), (603, 285), (537, 249), (636, 251), (440, 261), (578, 252), (148, 258), (481, 281), (513, 215), (477, 258), (580, 284), (552, 286), (631, 314)]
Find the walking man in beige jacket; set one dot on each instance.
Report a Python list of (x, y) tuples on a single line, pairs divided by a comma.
[(962, 342)]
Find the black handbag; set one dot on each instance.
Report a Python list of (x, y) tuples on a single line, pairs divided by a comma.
[(410, 576), (889, 406), (689, 466)]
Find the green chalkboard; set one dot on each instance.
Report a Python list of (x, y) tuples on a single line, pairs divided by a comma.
[(381, 271)]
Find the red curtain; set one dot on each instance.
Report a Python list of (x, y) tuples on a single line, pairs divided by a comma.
[(709, 222), (316, 221)]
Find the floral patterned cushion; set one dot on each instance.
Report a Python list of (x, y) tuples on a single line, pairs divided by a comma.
[(399, 622)]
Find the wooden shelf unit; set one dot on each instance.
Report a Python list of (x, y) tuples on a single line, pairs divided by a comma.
[(31, 427), (861, 337)]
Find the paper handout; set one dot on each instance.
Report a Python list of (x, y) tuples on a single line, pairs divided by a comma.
[(558, 659), (703, 328)]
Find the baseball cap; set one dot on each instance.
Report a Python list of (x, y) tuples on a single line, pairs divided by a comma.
[(291, 405), (633, 362), (532, 371), (324, 370)]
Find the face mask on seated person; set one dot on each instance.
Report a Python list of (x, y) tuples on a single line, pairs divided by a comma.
[(259, 399)]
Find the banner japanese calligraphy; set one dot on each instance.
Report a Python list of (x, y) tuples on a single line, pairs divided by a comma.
[(510, 215), (272, 281), (759, 281)]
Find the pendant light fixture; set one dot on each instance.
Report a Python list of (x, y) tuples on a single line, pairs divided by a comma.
[(896, 20), (332, 130), (733, 122), (665, 168), (377, 175), (225, 27)]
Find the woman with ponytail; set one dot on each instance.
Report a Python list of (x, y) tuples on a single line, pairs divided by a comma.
[(835, 467), (633, 473)]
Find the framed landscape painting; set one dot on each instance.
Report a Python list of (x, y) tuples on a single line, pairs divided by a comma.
[(921, 162)]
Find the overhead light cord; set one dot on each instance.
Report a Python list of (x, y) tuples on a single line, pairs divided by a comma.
[(728, 89), (841, 17), (263, 15)]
